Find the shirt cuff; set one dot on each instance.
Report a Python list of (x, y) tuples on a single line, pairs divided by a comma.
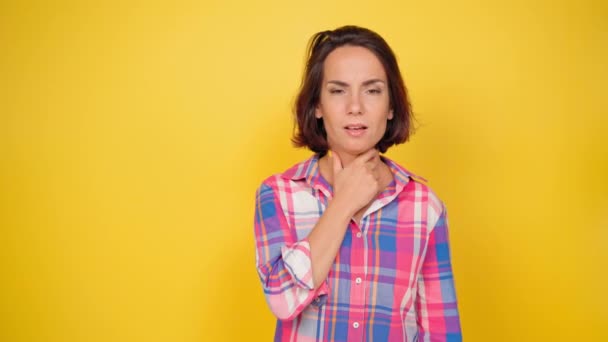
[(298, 263)]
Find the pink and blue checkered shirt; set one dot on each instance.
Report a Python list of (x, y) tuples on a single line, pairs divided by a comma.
[(392, 277)]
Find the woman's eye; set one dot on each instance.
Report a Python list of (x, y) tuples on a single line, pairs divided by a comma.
[(374, 91), (336, 91)]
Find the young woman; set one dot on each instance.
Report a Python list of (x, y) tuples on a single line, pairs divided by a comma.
[(350, 246)]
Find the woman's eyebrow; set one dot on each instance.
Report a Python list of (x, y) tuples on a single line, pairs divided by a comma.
[(366, 83), (339, 83), (372, 81)]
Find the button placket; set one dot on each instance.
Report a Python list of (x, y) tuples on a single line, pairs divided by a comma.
[(358, 299)]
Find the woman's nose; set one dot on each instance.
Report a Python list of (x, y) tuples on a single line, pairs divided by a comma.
[(354, 106)]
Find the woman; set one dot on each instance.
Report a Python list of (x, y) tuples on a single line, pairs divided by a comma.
[(350, 246)]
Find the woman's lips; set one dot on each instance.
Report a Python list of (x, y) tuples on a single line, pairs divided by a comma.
[(356, 130)]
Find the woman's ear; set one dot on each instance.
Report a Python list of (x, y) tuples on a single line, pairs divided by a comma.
[(390, 114), (318, 113)]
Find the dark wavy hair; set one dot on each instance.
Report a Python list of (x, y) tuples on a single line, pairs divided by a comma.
[(309, 131)]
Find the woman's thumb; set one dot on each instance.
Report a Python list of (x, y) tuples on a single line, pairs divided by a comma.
[(337, 162)]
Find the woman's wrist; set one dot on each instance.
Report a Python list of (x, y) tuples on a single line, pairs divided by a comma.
[(342, 206)]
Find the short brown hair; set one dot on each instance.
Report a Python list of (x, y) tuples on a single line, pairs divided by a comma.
[(310, 130)]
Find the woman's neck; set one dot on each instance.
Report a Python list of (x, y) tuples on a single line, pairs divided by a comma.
[(326, 168), (345, 158)]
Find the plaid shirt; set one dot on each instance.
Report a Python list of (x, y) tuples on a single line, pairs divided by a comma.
[(391, 279)]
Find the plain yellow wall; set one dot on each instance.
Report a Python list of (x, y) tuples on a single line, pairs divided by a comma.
[(133, 135)]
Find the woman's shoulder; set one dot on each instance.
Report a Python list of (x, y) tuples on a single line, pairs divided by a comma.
[(416, 183), (295, 172)]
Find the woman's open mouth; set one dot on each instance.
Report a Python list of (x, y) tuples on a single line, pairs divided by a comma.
[(355, 130)]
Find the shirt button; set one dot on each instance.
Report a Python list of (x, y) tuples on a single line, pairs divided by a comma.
[(358, 280), (359, 234), (356, 325)]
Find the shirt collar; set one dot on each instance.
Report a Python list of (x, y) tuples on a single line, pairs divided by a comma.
[(309, 171), (401, 175)]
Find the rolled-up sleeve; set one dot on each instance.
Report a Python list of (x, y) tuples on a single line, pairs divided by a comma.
[(283, 263), (436, 305)]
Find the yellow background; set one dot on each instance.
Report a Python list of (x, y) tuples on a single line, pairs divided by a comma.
[(133, 135)]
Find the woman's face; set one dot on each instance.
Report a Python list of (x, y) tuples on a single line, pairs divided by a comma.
[(354, 103)]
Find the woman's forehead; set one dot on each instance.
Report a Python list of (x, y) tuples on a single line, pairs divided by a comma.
[(353, 63)]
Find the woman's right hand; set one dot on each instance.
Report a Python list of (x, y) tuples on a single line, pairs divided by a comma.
[(357, 184)]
